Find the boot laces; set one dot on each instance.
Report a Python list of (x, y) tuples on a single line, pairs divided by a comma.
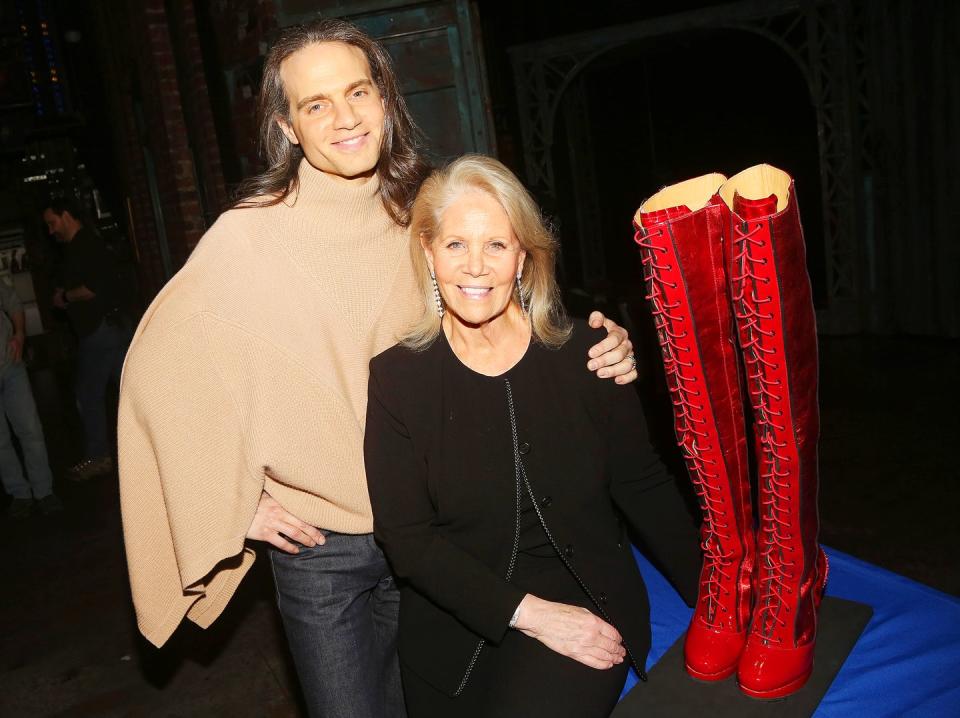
[(776, 568), (691, 434)]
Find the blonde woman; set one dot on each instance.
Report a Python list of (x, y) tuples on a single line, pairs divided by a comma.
[(494, 463)]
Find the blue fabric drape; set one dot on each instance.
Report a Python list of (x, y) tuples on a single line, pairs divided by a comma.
[(905, 663)]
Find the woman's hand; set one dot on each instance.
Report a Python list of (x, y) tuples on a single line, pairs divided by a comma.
[(612, 357), (571, 631)]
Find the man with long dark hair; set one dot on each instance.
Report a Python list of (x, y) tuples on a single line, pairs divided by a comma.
[(244, 392)]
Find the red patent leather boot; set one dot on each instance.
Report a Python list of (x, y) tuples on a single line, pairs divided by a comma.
[(679, 231), (773, 307)]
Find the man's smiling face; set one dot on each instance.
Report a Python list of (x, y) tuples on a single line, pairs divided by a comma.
[(336, 112)]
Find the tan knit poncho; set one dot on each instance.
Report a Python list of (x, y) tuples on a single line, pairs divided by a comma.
[(249, 372)]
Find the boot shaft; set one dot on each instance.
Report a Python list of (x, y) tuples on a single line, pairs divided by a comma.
[(684, 264), (773, 308), (679, 231)]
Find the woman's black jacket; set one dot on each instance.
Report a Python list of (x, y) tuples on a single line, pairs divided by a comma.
[(440, 468)]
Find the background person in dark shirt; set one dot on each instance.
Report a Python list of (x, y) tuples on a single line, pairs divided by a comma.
[(90, 296)]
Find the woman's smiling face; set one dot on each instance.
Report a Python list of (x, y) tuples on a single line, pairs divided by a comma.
[(475, 257)]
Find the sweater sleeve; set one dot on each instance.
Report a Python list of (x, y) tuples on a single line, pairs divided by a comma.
[(404, 522), (647, 493), (187, 492)]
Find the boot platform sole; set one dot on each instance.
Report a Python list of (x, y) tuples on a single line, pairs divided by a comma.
[(711, 677), (778, 692)]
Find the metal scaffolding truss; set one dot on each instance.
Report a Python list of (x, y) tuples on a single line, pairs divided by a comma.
[(824, 40)]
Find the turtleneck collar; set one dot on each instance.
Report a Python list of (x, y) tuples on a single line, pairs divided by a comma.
[(317, 188)]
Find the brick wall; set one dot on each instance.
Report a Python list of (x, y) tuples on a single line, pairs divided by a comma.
[(197, 111), (120, 81), (160, 109), (166, 129)]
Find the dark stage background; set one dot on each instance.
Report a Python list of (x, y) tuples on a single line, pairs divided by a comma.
[(144, 110)]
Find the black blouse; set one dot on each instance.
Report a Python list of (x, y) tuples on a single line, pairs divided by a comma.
[(440, 466)]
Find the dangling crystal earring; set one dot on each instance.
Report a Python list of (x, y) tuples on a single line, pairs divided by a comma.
[(524, 306), (436, 294)]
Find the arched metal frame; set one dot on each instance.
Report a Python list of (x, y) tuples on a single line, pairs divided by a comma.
[(822, 38)]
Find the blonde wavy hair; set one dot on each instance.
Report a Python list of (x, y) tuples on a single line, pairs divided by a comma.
[(548, 319)]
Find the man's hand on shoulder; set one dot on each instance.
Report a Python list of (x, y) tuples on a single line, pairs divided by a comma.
[(278, 527), (612, 357)]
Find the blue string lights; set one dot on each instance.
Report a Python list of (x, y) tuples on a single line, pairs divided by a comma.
[(41, 59)]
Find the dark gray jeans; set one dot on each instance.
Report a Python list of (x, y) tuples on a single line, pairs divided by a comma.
[(99, 361), (339, 606)]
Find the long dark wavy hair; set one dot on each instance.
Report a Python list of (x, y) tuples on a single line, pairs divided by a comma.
[(400, 168)]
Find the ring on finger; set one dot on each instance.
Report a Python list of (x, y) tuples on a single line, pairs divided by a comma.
[(633, 360)]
